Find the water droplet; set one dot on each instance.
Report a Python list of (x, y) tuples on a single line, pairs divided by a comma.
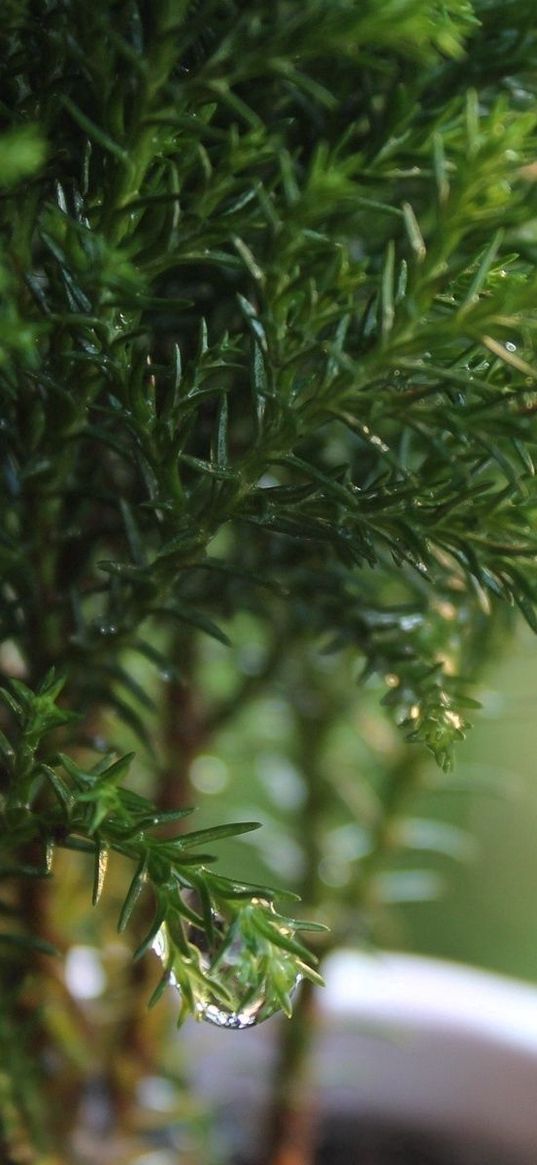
[(231, 967), (510, 346)]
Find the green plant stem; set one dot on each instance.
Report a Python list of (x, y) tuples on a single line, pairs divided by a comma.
[(226, 710), (401, 780)]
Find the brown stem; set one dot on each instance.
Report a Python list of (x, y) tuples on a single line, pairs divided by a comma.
[(184, 732), (291, 1133), (291, 1118), (36, 1119), (140, 1035), (187, 726)]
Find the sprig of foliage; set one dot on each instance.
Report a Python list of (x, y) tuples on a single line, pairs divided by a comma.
[(55, 802)]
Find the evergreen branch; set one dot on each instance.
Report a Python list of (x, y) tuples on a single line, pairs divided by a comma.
[(92, 811)]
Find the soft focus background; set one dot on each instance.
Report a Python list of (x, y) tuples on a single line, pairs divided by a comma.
[(413, 1060), (487, 915), (475, 902)]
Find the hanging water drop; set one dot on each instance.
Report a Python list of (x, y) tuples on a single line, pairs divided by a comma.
[(232, 990)]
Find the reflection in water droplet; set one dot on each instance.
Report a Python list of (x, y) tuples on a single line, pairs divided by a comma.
[(234, 973), (254, 1013)]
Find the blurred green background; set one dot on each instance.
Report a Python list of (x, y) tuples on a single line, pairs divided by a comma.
[(488, 913), (462, 873)]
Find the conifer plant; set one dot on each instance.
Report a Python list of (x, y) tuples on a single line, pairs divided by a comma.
[(267, 316)]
